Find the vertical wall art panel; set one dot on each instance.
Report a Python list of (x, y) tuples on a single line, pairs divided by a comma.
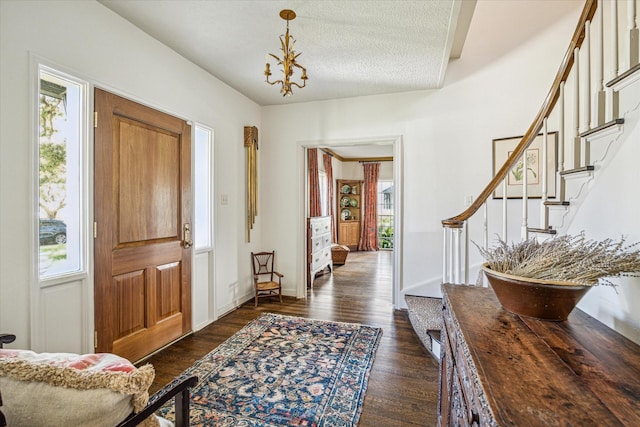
[(251, 144)]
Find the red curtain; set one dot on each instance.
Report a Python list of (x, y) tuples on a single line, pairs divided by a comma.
[(329, 170), (369, 225), (314, 183)]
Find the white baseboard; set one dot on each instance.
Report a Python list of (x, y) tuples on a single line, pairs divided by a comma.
[(430, 288), (202, 325)]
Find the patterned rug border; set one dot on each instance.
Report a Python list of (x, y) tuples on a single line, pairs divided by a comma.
[(337, 407)]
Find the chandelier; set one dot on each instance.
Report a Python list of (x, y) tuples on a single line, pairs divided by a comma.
[(288, 60)]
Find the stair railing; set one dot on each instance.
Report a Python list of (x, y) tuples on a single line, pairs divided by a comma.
[(597, 106)]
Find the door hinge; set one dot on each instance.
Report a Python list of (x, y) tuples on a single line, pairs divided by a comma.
[(95, 339), (95, 119), (95, 230)]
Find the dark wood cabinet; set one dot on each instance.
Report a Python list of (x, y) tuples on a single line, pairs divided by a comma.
[(499, 369)]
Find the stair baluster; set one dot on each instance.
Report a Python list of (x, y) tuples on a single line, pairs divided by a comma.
[(599, 96), (576, 108), (457, 267), (445, 254), (466, 252), (586, 114), (544, 212), (632, 33), (485, 226), (524, 230), (612, 94), (504, 209), (561, 125)]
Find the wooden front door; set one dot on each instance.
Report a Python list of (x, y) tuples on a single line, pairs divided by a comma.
[(143, 212)]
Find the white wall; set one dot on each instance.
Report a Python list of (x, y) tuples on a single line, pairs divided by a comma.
[(354, 170), (611, 209), (90, 40), (447, 136)]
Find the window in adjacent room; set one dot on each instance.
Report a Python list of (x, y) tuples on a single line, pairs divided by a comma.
[(60, 176), (385, 214), (324, 193)]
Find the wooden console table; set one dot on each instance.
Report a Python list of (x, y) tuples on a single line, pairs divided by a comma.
[(499, 369)]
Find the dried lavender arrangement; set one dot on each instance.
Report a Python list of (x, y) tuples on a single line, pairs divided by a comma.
[(567, 258)]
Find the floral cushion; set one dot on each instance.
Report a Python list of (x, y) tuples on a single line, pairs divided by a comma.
[(64, 389)]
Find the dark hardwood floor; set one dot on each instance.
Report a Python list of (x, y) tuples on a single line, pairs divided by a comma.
[(403, 385)]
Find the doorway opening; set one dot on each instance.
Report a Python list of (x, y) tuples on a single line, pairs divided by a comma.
[(351, 168)]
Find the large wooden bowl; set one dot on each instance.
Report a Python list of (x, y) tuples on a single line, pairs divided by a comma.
[(542, 299)]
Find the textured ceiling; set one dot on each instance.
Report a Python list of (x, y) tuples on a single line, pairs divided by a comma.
[(350, 47)]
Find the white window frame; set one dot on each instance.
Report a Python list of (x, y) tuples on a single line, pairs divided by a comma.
[(210, 188), (392, 202), (78, 282), (85, 150), (204, 285)]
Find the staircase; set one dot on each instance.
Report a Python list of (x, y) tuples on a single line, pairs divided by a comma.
[(587, 113), (588, 123)]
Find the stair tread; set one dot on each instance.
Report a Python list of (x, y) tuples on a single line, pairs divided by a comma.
[(542, 230), (578, 170), (623, 76), (602, 127), (560, 203)]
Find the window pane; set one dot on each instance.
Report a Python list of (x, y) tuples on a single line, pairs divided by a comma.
[(60, 127), (202, 184), (385, 214), (324, 194)]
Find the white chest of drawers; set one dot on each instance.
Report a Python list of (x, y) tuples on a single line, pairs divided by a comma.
[(318, 246)]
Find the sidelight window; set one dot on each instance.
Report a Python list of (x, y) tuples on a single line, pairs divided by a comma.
[(60, 130), (203, 150)]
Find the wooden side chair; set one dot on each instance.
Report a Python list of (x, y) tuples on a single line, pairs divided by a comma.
[(266, 281), (3, 421), (6, 339)]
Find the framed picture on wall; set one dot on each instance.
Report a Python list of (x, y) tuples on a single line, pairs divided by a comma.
[(502, 149)]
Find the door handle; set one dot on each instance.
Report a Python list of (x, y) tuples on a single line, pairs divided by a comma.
[(186, 232)]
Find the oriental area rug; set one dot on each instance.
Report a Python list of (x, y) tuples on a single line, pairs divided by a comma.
[(284, 371)]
